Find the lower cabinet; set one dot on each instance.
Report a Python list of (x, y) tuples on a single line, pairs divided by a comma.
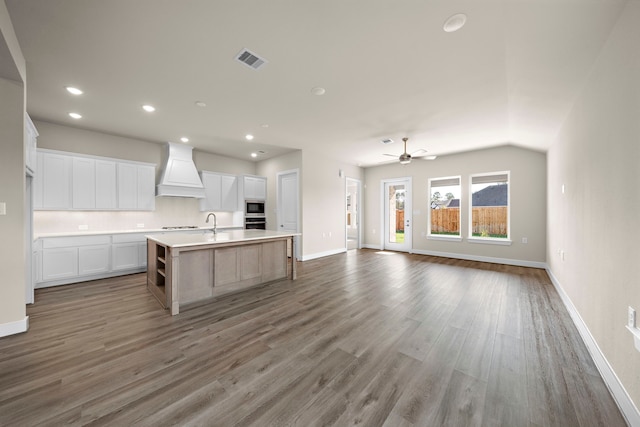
[(59, 263), (93, 259), (63, 260), (241, 266)]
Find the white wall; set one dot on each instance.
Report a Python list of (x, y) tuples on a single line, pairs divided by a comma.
[(324, 203), (322, 198), (169, 210), (12, 190), (597, 221), (528, 202)]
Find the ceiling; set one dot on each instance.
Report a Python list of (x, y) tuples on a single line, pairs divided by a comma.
[(509, 76)]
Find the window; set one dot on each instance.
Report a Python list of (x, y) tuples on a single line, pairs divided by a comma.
[(490, 206), (444, 203)]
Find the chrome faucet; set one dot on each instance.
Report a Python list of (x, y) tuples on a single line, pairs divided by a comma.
[(215, 221)]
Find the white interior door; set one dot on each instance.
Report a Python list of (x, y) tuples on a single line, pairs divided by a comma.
[(353, 232), (288, 206), (396, 200)]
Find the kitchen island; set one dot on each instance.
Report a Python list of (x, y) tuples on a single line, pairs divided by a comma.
[(185, 268)]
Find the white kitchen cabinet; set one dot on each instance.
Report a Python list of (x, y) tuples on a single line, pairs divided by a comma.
[(125, 256), (146, 196), (30, 146), (93, 259), (106, 185), (221, 192), (136, 187), (229, 193), (59, 263), (211, 182), (127, 186), (128, 251), (254, 188), (52, 183), (68, 181), (83, 183), (71, 259)]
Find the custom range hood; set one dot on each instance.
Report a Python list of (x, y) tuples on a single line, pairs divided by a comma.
[(180, 177)]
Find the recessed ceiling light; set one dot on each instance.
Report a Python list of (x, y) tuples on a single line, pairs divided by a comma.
[(318, 91), (73, 90), (75, 116), (184, 139), (265, 125), (149, 108), (248, 137), (200, 104), (454, 22), (254, 155)]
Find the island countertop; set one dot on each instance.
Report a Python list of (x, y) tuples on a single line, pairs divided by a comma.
[(182, 240)]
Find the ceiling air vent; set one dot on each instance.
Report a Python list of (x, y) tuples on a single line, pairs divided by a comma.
[(387, 141), (250, 59)]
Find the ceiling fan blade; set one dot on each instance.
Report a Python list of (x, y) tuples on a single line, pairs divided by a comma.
[(429, 157), (422, 150), (392, 155)]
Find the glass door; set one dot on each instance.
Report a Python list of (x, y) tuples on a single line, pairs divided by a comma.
[(397, 215)]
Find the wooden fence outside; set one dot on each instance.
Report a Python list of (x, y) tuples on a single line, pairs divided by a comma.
[(399, 220), (491, 220), (445, 220)]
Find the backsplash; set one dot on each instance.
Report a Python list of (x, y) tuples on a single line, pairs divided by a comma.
[(170, 211)]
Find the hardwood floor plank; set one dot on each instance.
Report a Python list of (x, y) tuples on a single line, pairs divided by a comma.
[(360, 338), (506, 399), (463, 402)]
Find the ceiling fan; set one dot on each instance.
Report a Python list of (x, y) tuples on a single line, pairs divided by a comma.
[(405, 158)]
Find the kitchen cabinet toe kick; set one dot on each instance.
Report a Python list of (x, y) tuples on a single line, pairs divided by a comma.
[(180, 273)]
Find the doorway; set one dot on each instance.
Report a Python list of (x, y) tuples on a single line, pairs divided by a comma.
[(396, 200), (288, 208), (353, 232)]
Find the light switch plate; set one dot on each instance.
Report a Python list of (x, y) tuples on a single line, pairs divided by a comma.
[(3, 208)]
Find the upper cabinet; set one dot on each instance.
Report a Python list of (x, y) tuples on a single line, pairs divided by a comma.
[(221, 192), (30, 145), (77, 182), (53, 181), (253, 188)]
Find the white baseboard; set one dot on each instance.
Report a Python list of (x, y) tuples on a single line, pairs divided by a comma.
[(619, 393), (377, 247), (507, 261), (323, 254), (16, 327)]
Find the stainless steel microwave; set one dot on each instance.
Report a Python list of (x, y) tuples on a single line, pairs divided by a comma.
[(254, 207)]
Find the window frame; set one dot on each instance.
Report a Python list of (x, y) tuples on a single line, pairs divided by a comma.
[(490, 240), (446, 237)]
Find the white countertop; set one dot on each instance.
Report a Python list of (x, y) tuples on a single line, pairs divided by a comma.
[(181, 240), (132, 231)]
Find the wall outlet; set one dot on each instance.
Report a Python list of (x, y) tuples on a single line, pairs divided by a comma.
[(140, 225), (561, 254), (525, 240), (631, 317), (83, 227)]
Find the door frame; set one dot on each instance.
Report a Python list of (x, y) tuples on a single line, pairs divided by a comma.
[(279, 175), (358, 213), (408, 213)]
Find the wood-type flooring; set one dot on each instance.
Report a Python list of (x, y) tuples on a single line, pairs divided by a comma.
[(362, 338)]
